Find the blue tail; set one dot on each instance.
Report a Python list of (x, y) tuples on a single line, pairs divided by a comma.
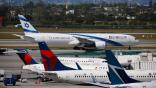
[(117, 74), (25, 57), (28, 28), (50, 61)]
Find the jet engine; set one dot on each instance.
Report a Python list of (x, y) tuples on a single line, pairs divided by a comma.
[(90, 45)]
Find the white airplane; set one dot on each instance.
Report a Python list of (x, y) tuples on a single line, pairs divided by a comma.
[(85, 63), (96, 40), (119, 78), (31, 64), (85, 76)]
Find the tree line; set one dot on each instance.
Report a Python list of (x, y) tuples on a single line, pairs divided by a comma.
[(103, 14)]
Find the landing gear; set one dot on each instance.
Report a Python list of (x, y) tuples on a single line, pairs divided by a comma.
[(129, 48)]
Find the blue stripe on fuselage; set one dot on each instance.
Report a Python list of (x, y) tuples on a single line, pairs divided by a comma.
[(27, 30), (102, 39)]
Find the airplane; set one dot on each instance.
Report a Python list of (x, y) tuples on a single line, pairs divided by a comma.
[(119, 78), (85, 76), (95, 40), (32, 65), (85, 63)]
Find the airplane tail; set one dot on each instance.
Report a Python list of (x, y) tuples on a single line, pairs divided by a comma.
[(117, 74), (25, 57), (50, 60), (28, 28)]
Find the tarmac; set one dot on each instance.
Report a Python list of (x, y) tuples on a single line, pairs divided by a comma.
[(19, 42)]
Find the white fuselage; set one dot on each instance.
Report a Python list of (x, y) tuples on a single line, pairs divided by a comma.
[(136, 85), (85, 63), (85, 76), (71, 39), (55, 39)]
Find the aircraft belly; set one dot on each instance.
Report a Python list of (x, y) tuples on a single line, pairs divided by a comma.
[(58, 43)]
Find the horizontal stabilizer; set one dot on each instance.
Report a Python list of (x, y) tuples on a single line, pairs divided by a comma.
[(25, 38)]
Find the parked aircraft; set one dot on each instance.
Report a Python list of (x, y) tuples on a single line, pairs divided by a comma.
[(85, 63), (119, 78), (31, 64), (95, 40), (85, 76)]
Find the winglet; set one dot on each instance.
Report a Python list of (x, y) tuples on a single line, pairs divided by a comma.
[(78, 66)]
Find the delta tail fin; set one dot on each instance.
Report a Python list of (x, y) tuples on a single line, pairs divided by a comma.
[(28, 28), (50, 60), (117, 74), (25, 57)]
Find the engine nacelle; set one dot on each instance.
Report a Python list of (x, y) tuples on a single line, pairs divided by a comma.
[(90, 45), (100, 45)]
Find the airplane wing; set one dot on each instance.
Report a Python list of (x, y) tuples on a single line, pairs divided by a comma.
[(87, 39), (20, 36), (25, 37), (118, 86), (98, 84), (108, 85), (94, 82)]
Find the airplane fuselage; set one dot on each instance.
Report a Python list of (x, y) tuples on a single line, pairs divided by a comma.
[(55, 39), (136, 85), (67, 39), (83, 76)]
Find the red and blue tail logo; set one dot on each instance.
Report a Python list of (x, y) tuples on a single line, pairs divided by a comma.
[(50, 61), (25, 57)]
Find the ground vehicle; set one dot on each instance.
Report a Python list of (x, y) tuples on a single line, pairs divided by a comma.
[(1, 75), (9, 79)]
